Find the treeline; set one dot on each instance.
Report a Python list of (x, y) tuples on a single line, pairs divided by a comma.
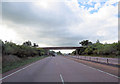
[(24, 50), (98, 48), (53, 53)]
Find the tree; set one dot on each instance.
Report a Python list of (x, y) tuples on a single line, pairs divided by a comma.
[(97, 41), (98, 48), (85, 43), (81, 50), (59, 53), (35, 45), (51, 52), (1, 46), (27, 43), (118, 48), (89, 50), (74, 53), (9, 48)]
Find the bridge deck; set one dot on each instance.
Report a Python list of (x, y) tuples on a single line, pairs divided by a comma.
[(55, 48)]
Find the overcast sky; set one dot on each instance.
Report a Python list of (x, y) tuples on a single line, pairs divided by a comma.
[(59, 23)]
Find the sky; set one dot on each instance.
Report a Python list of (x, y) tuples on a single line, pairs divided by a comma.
[(59, 22)]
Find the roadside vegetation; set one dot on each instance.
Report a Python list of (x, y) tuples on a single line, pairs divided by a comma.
[(12, 65), (22, 51), (99, 49), (14, 55)]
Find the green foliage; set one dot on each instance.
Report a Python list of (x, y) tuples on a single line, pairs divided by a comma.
[(35, 45), (9, 48), (9, 66), (81, 51), (89, 50), (74, 53), (59, 53), (99, 48), (25, 50), (118, 46), (85, 43), (51, 52), (108, 49), (27, 43)]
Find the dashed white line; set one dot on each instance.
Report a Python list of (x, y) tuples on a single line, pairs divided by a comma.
[(62, 79)]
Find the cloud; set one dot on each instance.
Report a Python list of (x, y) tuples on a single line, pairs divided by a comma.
[(60, 23)]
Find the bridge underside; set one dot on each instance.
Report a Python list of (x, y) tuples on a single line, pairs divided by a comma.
[(60, 48)]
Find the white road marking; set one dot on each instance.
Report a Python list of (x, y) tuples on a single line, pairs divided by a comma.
[(61, 78), (18, 71), (60, 74), (101, 71)]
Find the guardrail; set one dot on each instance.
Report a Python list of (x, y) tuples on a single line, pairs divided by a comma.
[(113, 61)]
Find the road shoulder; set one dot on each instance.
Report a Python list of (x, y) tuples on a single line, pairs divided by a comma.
[(16, 69), (107, 68)]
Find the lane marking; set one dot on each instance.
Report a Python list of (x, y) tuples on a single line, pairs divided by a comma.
[(18, 71), (61, 78), (101, 71)]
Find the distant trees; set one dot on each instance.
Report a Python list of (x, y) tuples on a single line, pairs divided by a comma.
[(59, 53), (97, 41), (73, 53), (51, 52), (118, 48), (99, 48), (85, 43), (9, 48), (35, 45), (89, 50), (27, 43), (24, 50)]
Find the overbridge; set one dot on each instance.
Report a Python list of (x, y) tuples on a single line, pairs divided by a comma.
[(61, 48)]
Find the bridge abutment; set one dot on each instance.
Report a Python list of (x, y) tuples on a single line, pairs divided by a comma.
[(77, 52), (47, 52)]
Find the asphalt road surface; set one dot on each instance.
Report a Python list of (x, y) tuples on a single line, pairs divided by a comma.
[(59, 69)]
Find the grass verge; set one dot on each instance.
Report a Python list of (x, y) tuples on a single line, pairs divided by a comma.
[(13, 65)]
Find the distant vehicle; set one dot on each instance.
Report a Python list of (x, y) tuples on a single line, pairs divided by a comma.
[(54, 54)]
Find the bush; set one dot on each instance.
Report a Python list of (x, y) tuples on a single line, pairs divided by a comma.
[(100, 49), (10, 48), (89, 50)]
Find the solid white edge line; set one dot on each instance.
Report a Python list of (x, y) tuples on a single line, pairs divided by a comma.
[(61, 78), (18, 71), (101, 71), (15, 72)]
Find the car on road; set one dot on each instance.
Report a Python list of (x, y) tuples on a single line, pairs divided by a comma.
[(54, 54)]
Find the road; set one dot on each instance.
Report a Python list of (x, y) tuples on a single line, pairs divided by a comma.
[(59, 69), (100, 59)]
